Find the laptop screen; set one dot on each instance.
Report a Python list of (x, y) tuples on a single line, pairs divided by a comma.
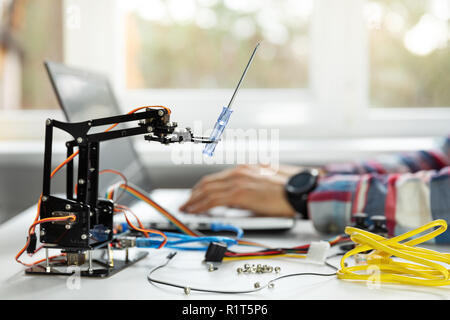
[(83, 96)]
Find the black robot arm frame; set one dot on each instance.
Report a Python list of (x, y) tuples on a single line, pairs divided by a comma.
[(93, 224)]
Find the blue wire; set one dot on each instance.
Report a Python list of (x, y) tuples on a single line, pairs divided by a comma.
[(155, 243), (188, 248), (150, 242), (217, 226)]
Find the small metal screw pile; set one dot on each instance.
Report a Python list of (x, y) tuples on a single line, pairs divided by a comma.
[(258, 269)]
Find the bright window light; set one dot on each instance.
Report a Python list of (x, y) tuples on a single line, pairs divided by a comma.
[(409, 53), (197, 44)]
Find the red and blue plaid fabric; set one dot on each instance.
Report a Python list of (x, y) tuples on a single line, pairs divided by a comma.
[(408, 189)]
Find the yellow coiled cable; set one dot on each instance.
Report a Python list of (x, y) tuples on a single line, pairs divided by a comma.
[(418, 266)]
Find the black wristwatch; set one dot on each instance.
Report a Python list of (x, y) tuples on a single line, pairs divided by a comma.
[(298, 187)]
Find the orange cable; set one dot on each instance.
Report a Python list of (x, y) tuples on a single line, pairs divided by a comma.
[(72, 217), (122, 207), (142, 229)]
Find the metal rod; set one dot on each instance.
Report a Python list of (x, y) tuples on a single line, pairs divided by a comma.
[(90, 261), (243, 76), (110, 256), (47, 261)]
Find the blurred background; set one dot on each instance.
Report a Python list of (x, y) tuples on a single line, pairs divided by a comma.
[(340, 80)]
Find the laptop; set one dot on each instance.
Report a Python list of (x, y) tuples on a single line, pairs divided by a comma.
[(85, 95)]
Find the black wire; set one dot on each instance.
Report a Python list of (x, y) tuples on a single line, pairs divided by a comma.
[(262, 254), (171, 255), (332, 256), (331, 266), (281, 251)]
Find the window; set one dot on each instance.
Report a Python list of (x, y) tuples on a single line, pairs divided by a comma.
[(409, 53), (31, 32), (326, 68), (205, 43)]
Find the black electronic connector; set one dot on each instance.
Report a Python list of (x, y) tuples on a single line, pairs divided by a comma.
[(379, 225), (32, 245), (215, 252), (171, 255), (359, 221)]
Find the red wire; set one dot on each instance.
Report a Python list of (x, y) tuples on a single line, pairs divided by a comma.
[(338, 239)]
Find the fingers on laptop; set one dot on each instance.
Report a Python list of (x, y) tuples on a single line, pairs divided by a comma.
[(243, 187), (218, 189)]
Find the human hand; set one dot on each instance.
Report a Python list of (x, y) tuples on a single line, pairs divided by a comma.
[(283, 170), (245, 187)]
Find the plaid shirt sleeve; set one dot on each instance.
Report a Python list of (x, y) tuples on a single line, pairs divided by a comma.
[(408, 189)]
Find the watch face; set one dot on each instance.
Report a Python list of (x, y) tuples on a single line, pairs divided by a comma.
[(300, 183)]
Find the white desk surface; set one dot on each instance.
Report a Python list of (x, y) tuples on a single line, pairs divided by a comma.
[(186, 268)]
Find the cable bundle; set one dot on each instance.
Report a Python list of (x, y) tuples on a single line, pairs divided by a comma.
[(413, 265), (293, 252), (184, 229)]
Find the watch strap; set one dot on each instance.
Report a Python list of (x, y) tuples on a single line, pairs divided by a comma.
[(300, 202)]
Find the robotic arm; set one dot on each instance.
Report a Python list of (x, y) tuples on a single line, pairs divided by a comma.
[(92, 227)]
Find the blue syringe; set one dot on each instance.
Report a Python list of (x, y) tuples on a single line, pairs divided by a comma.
[(224, 116)]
